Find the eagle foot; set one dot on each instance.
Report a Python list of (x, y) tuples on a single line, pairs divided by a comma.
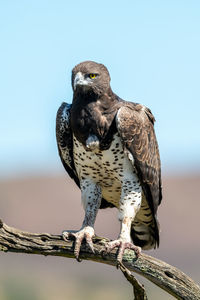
[(122, 246), (86, 233)]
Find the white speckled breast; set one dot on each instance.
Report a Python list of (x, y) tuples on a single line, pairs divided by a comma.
[(104, 167)]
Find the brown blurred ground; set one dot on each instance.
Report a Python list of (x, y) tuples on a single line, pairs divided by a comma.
[(52, 204)]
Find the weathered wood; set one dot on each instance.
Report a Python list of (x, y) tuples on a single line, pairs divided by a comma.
[(160, 273), (138, 289)]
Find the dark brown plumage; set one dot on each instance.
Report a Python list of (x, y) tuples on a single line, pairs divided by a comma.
[(108, 146), (92, 109)]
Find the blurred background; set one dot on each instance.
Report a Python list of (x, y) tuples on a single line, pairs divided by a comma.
[(151, 49)]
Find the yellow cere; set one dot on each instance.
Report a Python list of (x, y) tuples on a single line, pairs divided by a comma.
[(92, 76)]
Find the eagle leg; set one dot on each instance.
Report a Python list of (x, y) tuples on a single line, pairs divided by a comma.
[(130, 202), (86, 233), (91, 198)]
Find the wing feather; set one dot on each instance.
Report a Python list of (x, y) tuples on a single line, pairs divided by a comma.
[(65, 140), (135, 124)]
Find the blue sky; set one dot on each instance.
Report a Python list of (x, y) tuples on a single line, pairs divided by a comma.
[(151, 49)]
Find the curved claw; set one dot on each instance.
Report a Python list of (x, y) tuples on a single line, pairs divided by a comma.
[(77, 247), (122, 246), (67, 234), (86, 233)]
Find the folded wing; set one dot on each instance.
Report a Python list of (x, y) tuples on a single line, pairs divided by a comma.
[(135, 125)]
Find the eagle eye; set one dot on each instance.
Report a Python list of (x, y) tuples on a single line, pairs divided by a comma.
[(92, 75)]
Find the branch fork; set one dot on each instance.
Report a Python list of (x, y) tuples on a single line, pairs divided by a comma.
[(160, 273)]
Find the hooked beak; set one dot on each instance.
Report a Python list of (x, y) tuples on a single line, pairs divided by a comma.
[(80, 80)]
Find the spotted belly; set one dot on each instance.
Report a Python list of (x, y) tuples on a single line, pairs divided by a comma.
[(113, 170), (103, 167)]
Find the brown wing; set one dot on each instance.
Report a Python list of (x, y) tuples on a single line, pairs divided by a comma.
[(135, 124), (65, 140)]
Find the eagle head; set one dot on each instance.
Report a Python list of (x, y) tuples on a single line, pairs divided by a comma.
[(90, 76)]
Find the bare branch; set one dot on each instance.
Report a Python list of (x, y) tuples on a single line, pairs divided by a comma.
[(160, 273), (138, 290)]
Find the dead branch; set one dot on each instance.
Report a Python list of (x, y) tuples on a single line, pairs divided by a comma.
[(160, 273), (138, 289)]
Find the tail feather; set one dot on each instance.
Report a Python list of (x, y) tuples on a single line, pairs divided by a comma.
[(145, 235), (145, 228)]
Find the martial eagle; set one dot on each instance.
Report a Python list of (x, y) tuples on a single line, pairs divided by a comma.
[(108, 146)]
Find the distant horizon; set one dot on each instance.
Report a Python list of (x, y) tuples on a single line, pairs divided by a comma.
[(59, 172)]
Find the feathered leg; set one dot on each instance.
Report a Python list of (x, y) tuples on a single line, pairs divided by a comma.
[(91, 198), (130, 202)]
